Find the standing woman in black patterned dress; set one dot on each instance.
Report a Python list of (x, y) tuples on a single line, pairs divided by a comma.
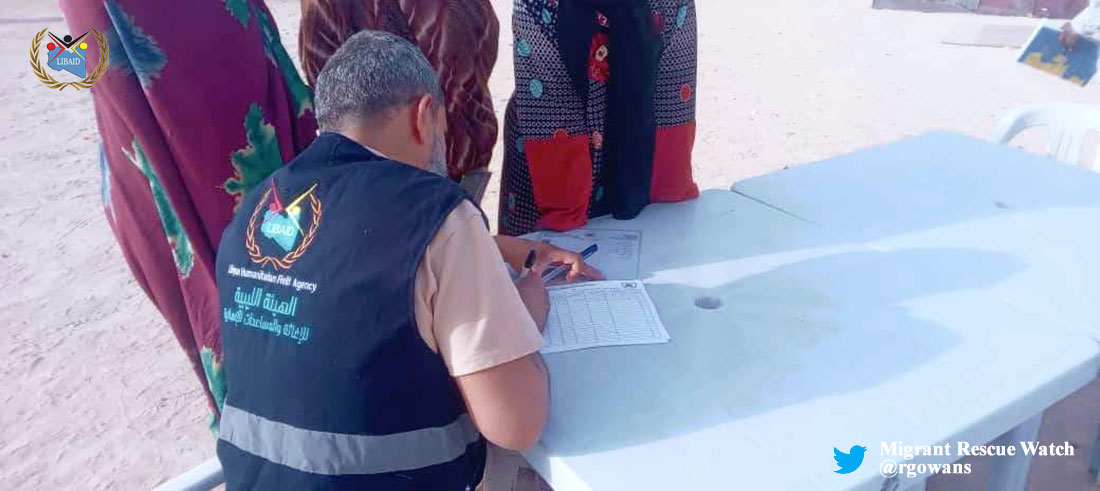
[(602, 120)]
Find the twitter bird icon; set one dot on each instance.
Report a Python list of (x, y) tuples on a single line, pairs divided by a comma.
[(850, 461)]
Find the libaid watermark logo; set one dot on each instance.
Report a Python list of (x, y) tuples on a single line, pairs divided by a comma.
[(67, 57)]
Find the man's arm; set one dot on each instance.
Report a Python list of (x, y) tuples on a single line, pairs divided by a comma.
[(509, 403), (513, 249), (486, 330)]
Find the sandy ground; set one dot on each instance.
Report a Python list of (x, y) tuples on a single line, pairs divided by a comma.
[(95, 392)]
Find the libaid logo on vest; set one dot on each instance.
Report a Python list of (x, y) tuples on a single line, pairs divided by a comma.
[(285, 230)]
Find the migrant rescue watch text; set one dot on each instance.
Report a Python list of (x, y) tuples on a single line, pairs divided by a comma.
[(965, 449)]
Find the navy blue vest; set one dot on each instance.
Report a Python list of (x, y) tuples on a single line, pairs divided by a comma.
[(329, 384)]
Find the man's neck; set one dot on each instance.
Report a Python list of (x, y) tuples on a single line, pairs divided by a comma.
[(367, 143), (374, 150), (382, 141)]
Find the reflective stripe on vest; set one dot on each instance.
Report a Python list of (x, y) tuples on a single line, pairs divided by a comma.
[(321, 452)]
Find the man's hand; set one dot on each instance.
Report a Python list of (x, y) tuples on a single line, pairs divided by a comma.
[(549, 255), (514, 250), (1068, 37), (535, 297)]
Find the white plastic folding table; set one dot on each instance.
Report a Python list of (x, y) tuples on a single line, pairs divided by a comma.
[(951, 191), (819, 342)]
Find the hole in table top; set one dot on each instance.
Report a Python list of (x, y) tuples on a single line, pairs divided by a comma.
[(708, 302)]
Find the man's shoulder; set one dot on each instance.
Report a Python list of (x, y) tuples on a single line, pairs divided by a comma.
[(465, 211), (464, 220)]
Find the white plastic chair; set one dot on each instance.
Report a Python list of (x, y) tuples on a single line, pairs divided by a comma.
[(1069, 125)]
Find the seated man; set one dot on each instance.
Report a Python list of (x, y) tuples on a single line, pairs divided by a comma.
[(371, 332)]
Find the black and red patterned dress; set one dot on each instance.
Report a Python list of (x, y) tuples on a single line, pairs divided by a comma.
[(602, 120)]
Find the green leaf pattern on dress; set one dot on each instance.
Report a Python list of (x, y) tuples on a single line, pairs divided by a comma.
[(253, 163), (299, 92), (215, 379), (239, 10), (169, 220)]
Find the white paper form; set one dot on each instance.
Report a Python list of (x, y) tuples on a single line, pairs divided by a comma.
[(617, 256), (601, 313)]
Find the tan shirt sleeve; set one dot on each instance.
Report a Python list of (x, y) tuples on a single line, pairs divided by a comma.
[(467, 308)]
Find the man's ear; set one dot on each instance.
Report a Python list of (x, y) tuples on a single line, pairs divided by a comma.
[(423, 119)]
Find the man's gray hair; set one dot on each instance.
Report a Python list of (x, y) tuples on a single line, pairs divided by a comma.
[(373, 73)]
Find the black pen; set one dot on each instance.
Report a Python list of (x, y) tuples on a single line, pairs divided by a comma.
[(528, 264), (554, 273)]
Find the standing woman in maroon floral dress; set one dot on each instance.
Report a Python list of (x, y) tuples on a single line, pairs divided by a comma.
[(199, 104)]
